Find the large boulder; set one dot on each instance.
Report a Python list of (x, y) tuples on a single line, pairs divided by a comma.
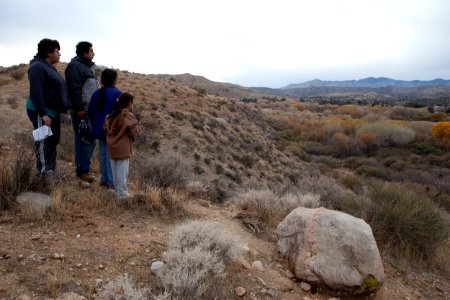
[(332, 248)]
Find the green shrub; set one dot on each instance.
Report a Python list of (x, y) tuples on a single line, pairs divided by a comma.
[(298, 151), (318, 148), (17, 75), (329, 161), (424, 148), (197, 122), (219, 169), (247, 160), (177, 115), (200, 91), (405, 221), (374, 171)]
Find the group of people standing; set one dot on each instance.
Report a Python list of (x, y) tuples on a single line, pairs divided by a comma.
[(103, 114)]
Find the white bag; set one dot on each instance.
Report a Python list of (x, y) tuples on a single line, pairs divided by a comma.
[(42, 133)]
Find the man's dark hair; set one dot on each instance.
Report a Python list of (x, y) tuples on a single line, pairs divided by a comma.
[(83, 48), (47, 46)]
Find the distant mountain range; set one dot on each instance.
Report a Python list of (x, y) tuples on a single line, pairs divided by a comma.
[(381, 88), (370, 82), (368, 88)]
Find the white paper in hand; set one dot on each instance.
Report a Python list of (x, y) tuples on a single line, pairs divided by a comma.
[(42, 133)]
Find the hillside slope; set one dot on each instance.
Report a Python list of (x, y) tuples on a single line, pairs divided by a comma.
[(227, 147)]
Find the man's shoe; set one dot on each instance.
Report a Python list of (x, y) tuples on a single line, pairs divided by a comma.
[(87, 177)]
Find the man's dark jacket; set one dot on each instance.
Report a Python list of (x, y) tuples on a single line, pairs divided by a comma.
[(77, 72)]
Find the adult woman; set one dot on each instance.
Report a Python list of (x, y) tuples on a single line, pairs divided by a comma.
[(48, 98), (102, 104)]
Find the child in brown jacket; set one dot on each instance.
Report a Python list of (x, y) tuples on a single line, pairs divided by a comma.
[(121, 129)]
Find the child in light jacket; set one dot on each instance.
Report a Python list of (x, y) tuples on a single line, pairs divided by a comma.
[(121, 129)]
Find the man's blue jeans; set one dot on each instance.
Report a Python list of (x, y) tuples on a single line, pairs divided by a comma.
[(83, 149), (105, 164)]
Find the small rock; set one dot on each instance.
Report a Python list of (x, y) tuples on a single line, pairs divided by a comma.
[(289, 274), (258, 265), (243, 262), (240, 291), (101, 267), (271, 293), (20, 256), (56, 256), (84, 184), (23, 297), (305, 286), (283, 284), (35, 202), (156, 265), (306, 298)]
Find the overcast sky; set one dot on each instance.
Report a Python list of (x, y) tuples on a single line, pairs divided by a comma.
[(247, 42)]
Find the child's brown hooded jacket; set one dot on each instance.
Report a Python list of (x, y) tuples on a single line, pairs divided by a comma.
[(120, 132)]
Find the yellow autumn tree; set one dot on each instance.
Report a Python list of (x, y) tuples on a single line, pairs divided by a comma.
[(441, 132)]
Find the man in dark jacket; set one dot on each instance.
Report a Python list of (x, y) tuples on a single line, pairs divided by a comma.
[(81, 84)]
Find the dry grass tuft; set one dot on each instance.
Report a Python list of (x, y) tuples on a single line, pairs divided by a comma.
[(196, 261), (164, 202), (121, 288), (56, 282), (162, 170), (271, 208), (16, 176)]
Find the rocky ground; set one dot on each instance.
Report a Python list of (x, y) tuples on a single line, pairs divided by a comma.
[(79, 250)]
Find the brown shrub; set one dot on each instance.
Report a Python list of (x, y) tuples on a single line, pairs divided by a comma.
[(16, 175)]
